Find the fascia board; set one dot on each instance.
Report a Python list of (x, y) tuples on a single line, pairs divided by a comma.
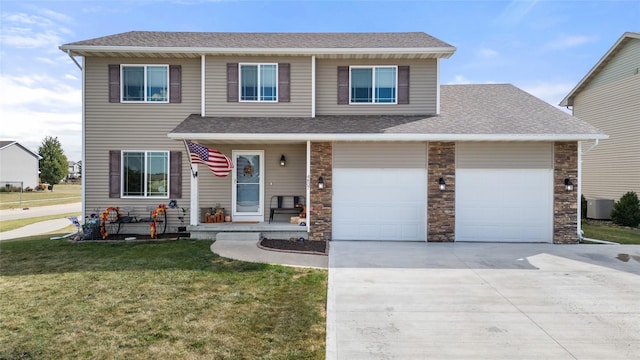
[(445, 52), (387, 137)]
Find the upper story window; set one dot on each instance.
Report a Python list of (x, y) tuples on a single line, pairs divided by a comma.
[(145, 174), (259, 82), (145, 83), (373, 84)]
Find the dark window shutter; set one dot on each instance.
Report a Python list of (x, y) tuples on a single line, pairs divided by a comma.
[(403, 84), (114, 83), (114, 173), (232, 82), (343, 85), (175, 173), (175, 83), (284, 75)]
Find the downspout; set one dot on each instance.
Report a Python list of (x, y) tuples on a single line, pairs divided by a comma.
[(308, 191), (313, 87), (202, 85), (579, 194), (84, 143), (438, 86), (74, 60)]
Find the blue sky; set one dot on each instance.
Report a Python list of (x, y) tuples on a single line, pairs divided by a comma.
[(543, 47)]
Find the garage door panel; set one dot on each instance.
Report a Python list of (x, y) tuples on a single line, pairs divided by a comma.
[(379, 204), (514, 205)]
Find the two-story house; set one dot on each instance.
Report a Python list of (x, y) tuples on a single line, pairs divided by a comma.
[(356, 124), (609, 97)]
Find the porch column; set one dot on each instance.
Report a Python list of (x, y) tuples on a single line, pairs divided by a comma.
[(193, 216)]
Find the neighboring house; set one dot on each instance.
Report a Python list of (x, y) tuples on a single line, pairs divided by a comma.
[(18, 165), (608, 97), (377, 147), (74, 170)]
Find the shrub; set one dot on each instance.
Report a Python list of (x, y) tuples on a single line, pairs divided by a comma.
[(626, 212), (583, 207)]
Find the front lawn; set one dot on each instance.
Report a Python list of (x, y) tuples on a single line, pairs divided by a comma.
[(601, 230), (61, 194), (154, 300)]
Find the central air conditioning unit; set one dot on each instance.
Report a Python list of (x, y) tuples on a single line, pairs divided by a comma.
[(599, 209)]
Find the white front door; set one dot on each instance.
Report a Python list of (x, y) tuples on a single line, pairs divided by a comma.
[(248, 186)]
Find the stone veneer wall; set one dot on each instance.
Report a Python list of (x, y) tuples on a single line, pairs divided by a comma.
[(565, 203), (320, 212), (441, 210)]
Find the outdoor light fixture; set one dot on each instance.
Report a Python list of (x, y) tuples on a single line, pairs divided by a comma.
[(568, 184), (283, 161), (320, 183), (442, 184)]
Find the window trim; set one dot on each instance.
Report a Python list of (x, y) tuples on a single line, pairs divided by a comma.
[(145, 101), (373, 84), (277, 85), (145, 188)]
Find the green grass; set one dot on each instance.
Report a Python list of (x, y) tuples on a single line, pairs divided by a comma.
[(610, 232), (7, 225), (61, 194), (154, 300)]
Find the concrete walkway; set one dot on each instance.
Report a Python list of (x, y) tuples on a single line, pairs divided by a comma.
[(389, 300), (247, 250)]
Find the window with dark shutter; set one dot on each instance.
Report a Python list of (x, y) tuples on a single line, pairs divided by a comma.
[(232, 82), (114, 83), (403, 84), (175, 173), (114, 173), (284, 75), (175, 83), (343, 85)]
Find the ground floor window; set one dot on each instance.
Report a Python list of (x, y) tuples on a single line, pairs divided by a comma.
[(145, 174)]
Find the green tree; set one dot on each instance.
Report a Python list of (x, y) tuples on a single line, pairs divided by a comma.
[(53, 165), (626, 212)]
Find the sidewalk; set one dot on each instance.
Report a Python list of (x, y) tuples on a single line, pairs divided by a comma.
[(42, 227), (247, 250)]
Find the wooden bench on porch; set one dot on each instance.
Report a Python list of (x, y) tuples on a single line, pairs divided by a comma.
[(285, 204)]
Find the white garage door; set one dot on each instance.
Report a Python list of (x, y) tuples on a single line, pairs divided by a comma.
[(379, 204), (506, 204)]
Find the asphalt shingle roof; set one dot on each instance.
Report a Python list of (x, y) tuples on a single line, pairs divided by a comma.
[(465, 110), (266, 40)]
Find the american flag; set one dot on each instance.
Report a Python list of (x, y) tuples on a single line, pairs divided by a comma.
[(218, 162)]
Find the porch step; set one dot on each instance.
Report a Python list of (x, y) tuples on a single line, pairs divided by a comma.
[(249, 236)]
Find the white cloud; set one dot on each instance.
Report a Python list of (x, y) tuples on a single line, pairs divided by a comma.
[(552, 93), (22, 30), (488, 53), (458, 80), (37, 106), (569, 41)]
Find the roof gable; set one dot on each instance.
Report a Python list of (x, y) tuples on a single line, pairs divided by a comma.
[(6, 144), (599, 66)]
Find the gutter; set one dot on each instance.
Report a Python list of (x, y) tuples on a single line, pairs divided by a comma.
[(297, 137)]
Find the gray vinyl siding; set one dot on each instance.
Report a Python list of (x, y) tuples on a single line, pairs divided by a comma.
[(380, 155), (422, 88), (504, 155), (279, 180), (142, 126), (624, 64), (216, 92), (613, 167)]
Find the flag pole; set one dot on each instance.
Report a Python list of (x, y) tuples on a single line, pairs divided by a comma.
[(194, 173)]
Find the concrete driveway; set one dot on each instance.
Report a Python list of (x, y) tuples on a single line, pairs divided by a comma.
[(390, 300)]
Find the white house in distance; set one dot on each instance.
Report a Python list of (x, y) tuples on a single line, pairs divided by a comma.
[(18, 165)]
